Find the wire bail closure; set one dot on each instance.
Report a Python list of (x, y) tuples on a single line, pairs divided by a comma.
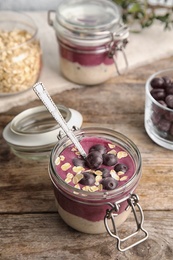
[(115, 46), (113, 212)]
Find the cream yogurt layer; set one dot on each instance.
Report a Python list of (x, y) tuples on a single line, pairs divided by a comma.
[(86, 66)]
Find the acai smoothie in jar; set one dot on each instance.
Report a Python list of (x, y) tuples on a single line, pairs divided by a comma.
[(89, 34), (97, 193)]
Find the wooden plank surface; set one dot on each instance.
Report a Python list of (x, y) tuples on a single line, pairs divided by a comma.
[(45, 236), (30, 227)]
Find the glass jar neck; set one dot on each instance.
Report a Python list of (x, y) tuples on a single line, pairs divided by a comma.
[(118, 33)]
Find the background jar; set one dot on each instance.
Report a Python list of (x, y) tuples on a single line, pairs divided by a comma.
[(89, 35), (20, 52), (158, 114), (86, 211)]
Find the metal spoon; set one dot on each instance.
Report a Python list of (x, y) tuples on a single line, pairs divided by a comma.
[(44, 96)]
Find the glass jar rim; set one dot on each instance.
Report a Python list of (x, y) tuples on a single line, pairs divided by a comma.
[(99, 195), (148, 86), (89, 30), (89, 18), (15, 17)]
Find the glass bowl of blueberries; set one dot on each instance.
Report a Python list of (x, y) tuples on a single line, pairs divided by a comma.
[(159, 108)]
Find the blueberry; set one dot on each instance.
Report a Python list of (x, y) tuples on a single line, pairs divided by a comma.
[(109, 183), (169, 101), (171, 130), (155, 118), (121, 167), (164, 125), (169, 116), (78, 162), (162, 103), (157, 109), (94, 160), (98, 147), (157, 83), (158, 93), (169, 89), (105, 172), (109, 159), (167, 81), (88, 178)]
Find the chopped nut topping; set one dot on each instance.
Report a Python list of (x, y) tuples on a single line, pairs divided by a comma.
[(78, 169), (123, 178), (69, 175), (111, 146), (114, 175), (112, 152), (93, 188), (121, 154), (98, 178), (98, 172), (86, 188), (77, 186), (120, 173), (74, 149), (62, 157), (68, 180), (57, 161), (77, 178), (100, 187), (65, 166)]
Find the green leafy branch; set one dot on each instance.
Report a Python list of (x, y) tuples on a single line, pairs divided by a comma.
[(145, 14)]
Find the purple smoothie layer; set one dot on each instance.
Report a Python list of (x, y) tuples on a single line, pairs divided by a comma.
[(91, 212), (85, 59)]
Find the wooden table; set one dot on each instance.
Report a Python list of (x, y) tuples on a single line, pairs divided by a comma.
[(30, 227)]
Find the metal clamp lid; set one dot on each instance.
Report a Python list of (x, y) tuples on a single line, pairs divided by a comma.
[(34, 131), (91, 23), (112, 213), (83, 15)]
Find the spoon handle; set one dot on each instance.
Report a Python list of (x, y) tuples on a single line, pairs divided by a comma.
[(44, 96)]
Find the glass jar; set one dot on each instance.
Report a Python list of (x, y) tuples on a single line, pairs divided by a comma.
[(96, 212), (89, 35), (158, 112), (20, 53)]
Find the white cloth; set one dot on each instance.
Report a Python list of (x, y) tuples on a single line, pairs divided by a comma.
[(149, 45)]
